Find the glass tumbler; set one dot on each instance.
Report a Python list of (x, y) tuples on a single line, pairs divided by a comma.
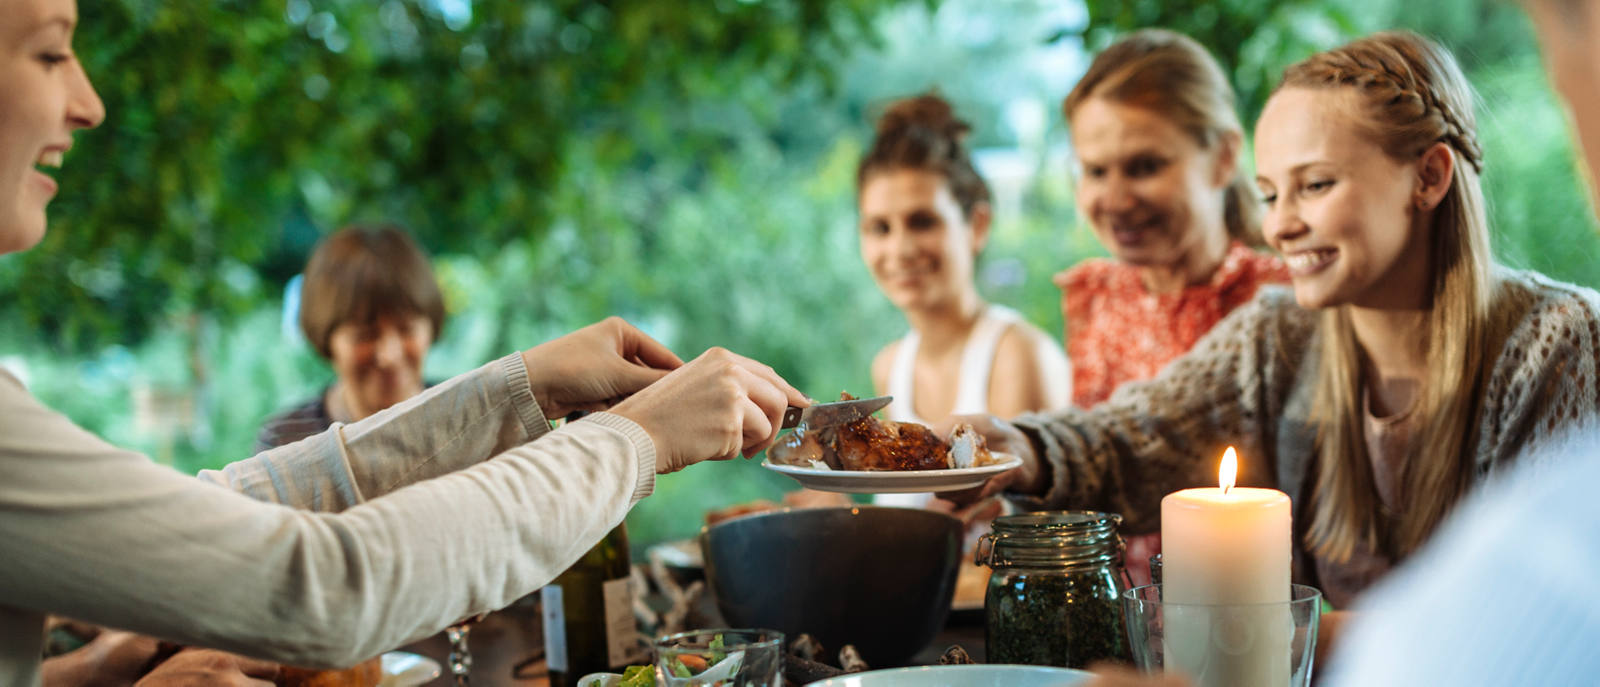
[(720, 658), (1226, 645)]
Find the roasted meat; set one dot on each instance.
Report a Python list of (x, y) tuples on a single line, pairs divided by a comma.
[(873, 444)]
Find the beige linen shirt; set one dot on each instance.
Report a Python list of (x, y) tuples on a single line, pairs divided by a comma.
[(322, 552)]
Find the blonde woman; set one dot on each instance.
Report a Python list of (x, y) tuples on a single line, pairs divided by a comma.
[(1157, 143), (1404, 367), (1419, 631)]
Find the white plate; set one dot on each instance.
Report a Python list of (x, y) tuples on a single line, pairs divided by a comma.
[(684, 553), (961, 676), (600, 680), (405, 669), (896, 481)]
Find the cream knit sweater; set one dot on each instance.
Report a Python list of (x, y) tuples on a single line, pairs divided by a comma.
[(319, 553), (1249, 383)]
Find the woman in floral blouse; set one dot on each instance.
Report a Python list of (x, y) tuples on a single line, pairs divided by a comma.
[(1157, 141)]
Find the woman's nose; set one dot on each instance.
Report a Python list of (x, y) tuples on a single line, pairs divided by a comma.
[(1118, 195), (85, 110), (1282, 223), (902, 243), (391, 349)]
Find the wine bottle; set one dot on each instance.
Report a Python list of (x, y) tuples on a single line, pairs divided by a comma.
[(588, 614)]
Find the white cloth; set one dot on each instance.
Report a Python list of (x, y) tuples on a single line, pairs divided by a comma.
[(977, 360), (972, 387), (1503, 595), (319, 553)]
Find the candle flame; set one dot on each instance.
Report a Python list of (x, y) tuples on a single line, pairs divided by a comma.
[(1229, 472)]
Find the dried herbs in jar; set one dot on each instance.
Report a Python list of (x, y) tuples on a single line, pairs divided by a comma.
[(1055, 595)]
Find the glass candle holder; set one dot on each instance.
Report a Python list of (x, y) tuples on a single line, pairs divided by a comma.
[(720, 658), (1232, 645)]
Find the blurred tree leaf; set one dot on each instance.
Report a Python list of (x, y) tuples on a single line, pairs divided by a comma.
[(239, 130)]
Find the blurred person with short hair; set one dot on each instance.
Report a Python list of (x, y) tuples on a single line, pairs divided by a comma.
[(371, 307)]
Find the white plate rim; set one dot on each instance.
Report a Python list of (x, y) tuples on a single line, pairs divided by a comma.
[(414, 676), (895, 481), (889, 676)]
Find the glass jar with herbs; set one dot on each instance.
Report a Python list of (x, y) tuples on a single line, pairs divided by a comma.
[(1054, 596)]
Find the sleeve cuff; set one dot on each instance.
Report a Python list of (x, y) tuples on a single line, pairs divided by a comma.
[(1052, 491), (644, 448), (533, 419)]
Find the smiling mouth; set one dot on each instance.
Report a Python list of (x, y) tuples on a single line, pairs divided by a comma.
[(1130, 233), (48, 162), (1310, 261)]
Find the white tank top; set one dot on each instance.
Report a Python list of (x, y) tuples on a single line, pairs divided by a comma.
[(972, 387)]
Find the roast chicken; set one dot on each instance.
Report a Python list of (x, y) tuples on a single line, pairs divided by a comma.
[(874, 444)]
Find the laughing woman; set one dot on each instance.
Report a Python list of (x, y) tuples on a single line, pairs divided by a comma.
[(357, 539), (1405, 366)]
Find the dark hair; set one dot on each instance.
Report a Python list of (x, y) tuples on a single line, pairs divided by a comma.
[(922, 133), (361, 273), (1173, 76)]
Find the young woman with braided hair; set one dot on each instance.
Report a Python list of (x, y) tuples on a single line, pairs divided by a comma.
[(1405, 367)]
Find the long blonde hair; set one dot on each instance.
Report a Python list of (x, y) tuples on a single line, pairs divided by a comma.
[(1171, 75), (1411, 95)]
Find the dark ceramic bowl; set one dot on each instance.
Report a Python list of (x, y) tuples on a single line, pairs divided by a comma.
[(878, 578)]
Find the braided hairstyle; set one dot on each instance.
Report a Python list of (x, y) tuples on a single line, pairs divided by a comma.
[(1414, 92), (922, 133), (1409, 96)]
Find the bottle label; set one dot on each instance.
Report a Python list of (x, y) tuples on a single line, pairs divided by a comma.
[(622, 632), (555, 629)]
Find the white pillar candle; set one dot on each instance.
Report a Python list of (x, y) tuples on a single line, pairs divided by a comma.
[(1223, 549)]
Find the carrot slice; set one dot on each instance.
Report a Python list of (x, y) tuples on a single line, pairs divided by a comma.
[(693, 662)]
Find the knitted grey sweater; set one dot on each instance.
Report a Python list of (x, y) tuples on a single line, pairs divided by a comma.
[(1249, 384)]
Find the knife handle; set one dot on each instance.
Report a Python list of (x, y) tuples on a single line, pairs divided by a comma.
[(791, 417)]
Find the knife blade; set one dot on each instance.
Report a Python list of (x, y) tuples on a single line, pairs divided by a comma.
[(837, 412)]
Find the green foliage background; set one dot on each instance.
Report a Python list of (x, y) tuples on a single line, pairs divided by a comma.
[(686, 164)]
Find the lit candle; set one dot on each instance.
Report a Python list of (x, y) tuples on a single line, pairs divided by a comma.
[(1227, 546)]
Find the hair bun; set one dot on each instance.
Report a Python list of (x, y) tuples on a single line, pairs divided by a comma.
[(924, 113), (922, 133)]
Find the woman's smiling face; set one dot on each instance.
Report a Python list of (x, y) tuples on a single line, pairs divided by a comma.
[(1145, 185), (915, 240), (44, 97), (1341, 211)]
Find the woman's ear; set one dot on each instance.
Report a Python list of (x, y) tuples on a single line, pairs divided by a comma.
[(979, 220), (1227, 160), (1436, 167)]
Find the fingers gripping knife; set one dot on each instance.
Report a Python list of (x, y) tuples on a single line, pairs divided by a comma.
[(838, 412)]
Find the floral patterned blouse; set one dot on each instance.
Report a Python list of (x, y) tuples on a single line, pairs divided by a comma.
[(1118, 332)]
